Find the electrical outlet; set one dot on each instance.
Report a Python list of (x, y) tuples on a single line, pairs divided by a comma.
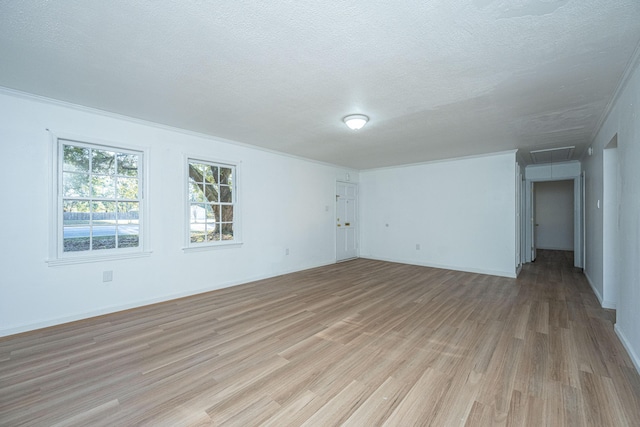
[(107, 276), (417, 246), (286, 251)]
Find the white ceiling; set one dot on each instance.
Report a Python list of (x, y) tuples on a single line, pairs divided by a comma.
[(439, 78)]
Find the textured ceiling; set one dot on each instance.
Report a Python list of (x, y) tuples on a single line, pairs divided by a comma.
[(439, 79)]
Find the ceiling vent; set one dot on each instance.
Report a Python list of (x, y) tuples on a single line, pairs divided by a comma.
[(552, 155)]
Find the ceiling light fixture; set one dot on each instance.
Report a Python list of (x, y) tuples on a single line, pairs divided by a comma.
[(355, 121)]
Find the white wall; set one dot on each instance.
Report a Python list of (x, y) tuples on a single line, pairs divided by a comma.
[(461, 212), (554, 215), (286, 203), (623, 120)]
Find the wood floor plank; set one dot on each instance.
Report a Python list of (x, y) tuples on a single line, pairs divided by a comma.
[(571, 406), (379, 405), (516, 417), (359, 343), (422, 402), (499, 381)]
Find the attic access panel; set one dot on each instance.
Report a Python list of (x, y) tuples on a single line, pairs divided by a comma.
[(552, 155)]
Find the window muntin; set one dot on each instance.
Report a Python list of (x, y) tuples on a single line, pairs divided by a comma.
[(99, 199), (211, 203)]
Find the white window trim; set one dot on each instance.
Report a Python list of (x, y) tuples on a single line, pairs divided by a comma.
[(56, 256), (237, 214)]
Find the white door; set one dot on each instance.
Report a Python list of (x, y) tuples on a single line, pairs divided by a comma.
[(346, 221)]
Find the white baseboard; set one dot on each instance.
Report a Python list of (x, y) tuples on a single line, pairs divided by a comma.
[(113, 309), (603, 302), (509, 274), (595, 290), (625, 342)]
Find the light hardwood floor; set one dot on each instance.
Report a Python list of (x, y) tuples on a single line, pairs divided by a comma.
[(361, 343)]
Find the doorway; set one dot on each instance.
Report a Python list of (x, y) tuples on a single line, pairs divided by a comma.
[(534, 179), (554, 215), (346, 221)]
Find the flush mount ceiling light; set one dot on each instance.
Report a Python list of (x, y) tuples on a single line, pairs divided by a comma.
[(355, 121)]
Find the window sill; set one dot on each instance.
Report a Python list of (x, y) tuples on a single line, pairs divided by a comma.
[(212, 247), (100, 258)]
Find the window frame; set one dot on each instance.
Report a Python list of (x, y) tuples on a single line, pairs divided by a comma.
[(57, 255), (235, 193)]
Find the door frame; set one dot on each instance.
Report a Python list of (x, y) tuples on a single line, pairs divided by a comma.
[(610, 217), (357, 216), (578, 229)]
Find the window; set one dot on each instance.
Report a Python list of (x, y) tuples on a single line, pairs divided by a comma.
[(99, 200), (212, 203)]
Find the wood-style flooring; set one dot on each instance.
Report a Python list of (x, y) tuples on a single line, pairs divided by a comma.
[(360, 343)]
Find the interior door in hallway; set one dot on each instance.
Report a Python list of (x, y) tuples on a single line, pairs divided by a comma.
[(346, 221)]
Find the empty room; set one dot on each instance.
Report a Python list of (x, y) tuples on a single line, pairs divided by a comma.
[(320, 213)]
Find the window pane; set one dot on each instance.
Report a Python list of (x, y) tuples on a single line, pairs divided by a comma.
[(213, 232), (103, 219), (197, 236), (75, 226), (211, 174), (211, 193), (103, 162), (198, 213), (104, 213), (195, 193), (128, 236), (75, 184), (128, 229), (213, 213), (127, 164), (227, 213), (102, 186), (104, 238), (127, 188), (197, 172), (225, 194), (75, 213), (226, 176), (227, 231), (128, 224), (197, 232), (128, 213), (75, 158), (75, 244)]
